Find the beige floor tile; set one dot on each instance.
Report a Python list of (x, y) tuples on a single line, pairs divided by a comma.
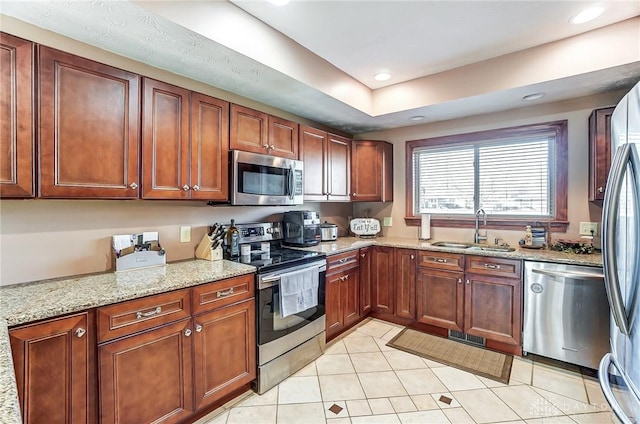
[(391, 333), (299, 390), (458, 416), (526, 402), (492, 383), (369, 362), (521, 370), (424, 402), (556, 380), (375, 328), (567, 405), (484, 406), (402, 404), (381, 384), (335, 347), (420, 382), (338, 421), (358, 408), (377, 419), (334, 364), (445, 400), (594, 394), (422, 417), (562, 419), (381, 406), (340, 387), (361, 345), (597, 418), (307, 371), (382, 345), (344, 413), (301, 413), (456, 379), (400, 360), (220, 418), (253, 414), (433, 364), (268, 398)]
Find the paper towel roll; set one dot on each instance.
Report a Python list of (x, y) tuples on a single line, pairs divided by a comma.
[(425, 226)]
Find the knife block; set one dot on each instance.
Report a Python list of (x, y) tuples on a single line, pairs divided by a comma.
[(204, 250)]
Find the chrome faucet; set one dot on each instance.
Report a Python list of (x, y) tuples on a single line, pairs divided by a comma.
[(477, 237)]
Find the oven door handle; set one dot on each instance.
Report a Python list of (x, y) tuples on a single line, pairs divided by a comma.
[(272, 280)]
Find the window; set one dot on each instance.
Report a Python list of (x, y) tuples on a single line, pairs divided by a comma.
[(517, 175)]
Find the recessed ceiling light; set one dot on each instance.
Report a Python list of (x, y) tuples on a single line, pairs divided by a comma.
[(587, 15), (382, 76), (417, 118), (533, 96), (279, 2)]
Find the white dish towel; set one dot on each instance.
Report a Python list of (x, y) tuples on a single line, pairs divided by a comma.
[(298, 291)]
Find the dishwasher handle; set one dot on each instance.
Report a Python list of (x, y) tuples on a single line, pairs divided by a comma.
[(589, 276)]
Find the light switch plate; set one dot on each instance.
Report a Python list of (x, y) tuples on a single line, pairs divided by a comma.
[(587, 227), (185, 234), (386, 221)]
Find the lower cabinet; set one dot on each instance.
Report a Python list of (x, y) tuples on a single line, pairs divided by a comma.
[(366, 298), (342, 292), (55, 370), (382, 279), (405, 283)]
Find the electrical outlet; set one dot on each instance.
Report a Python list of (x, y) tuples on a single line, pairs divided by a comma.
[(387, 222), (587, 227), (185, 234)]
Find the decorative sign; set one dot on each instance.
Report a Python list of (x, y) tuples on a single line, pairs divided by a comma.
[(365, 226)]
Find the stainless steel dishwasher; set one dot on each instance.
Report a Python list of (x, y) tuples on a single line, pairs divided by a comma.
[(566, 313)]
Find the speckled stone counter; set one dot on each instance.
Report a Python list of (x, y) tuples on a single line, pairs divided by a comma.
[(23, 303), (344, 244)]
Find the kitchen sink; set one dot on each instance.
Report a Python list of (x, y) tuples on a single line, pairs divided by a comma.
[(492, 248), (452, 244), (471, 246)]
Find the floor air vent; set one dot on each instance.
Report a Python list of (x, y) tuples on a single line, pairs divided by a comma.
[(466, 338)]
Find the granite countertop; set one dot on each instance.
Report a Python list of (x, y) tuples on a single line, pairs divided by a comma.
[(23, 303)]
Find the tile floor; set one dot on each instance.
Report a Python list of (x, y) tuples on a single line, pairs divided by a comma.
[(361, 380)]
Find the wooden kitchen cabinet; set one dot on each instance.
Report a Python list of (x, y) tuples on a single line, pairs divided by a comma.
[(382, 279), (342, 292), (89, 128), (371, 171), (327, 161), (17, 135), (366, 297), (55, 370), (184, 144), (258, 132), (405, 283), (599, 152), (440, 298)]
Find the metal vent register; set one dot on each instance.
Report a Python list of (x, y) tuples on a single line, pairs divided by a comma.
[(467, 338)]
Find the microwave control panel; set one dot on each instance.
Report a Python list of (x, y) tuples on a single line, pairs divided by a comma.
[(297, 183)]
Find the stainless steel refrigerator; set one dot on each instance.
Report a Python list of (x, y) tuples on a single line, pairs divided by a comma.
[(619, 371)]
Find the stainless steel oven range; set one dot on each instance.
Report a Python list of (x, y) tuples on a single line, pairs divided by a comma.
[(290, 303)]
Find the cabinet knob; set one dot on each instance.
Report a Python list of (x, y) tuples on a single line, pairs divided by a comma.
[(272, 147), (363, 255), (196, 187), (468, 282), (198, 328), (133, 185), (185, 187), (412, 257), (187, 332), (355, 194), (459, 280), (600, 189), (266, 146), (80, 332)]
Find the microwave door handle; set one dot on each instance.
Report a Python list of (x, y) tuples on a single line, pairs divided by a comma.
[(291, 181)]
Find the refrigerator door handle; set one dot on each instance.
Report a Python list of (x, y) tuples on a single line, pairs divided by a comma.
[(605, 385), (609, 217)]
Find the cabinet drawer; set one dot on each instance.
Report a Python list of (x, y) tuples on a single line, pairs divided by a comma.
[(221, 293), (496, 267), (137, 315), (441, 260), (343, 261)]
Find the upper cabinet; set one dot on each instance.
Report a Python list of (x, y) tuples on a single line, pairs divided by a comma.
[(88, 128), (599, 152), (16, 117), (258, 132), (327, 163), (371, 171), (184, 144)]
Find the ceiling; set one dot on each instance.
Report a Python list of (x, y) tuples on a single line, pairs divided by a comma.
[(316, 59)]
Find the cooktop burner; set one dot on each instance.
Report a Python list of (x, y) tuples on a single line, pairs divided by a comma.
[(278, 258)]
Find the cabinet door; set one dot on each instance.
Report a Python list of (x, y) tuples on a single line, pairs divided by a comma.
[(89, 128), (333, 305), (54, 363), (16, 117), (339, 168), (365, 281), (350, 293), (248, 130), (165, 141), (147, 378), (224, 351), (366, 171), (405, 282), (493, 308), (387, 172), (313, 147), (440, 298), (599, 152), (283, 138), (382, 271), (209, 148)]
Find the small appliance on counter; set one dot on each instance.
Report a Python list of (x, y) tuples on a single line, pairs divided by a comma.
[(365, 227), (133, 251), (210, 247), (328, 232), (301, 228)]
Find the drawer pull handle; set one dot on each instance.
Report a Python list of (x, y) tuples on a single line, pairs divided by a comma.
[(187, 332), (224, 293), (491, 266), (151, 313), (343, 260), (440, 260), (198, 328), (80, 332)]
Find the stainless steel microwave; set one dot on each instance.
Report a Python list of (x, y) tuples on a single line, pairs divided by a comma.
[(265, 180)]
